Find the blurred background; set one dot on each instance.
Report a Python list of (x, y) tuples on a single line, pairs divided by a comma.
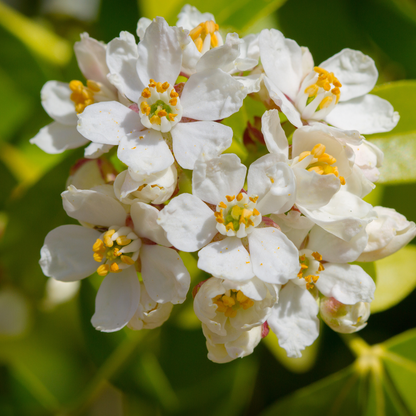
[(53, 362)]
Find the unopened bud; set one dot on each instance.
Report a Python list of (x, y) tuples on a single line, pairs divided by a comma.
[(344, 318)]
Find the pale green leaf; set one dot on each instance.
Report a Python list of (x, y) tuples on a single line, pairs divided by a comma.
[(396, 278)]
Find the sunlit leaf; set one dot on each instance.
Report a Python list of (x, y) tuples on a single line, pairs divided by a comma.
[(396, 278)]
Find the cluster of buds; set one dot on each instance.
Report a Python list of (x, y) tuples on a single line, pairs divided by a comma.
[(276, 236)]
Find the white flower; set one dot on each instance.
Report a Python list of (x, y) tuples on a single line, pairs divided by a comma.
[(387, 234), (243, 249), (336, 91), (146, 74), (112, 248), (368, 157), (63, 101), (225, 306), (344, 318), (155, 188), (322, 163), (149, 314), (221, 351)]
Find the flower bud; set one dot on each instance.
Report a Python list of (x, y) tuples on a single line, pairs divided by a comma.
[(344, 318), (155, 188), (387, 234)]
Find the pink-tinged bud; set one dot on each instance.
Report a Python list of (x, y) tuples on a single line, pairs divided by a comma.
[(88, 173), (265, 330), (135, 108), (344, 318), (195, 290), (387, 234)]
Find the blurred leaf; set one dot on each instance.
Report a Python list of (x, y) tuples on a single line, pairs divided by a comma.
[(8, 183), (40, 40), (396, 278), (398, 145), (380, 383), (296, 365), (239, 14)]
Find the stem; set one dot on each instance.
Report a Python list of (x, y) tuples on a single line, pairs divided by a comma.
[(355, 343)]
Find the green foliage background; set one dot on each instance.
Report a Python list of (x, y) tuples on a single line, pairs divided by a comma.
[(61, 366)]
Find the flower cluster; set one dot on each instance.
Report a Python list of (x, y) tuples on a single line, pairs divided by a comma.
[(276, 236)]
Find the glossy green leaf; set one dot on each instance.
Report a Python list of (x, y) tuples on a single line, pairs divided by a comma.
[(398, 145), (396, 278), (380, 383)]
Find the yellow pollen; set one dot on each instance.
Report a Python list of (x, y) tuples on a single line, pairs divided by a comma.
[(256, 212), (228, 300), (117, 252), (311, 90), (337, 83), (303, 266), (220, 220), (239, 197), (309, 286), (196, 32), (316, 169), (246, 213), (127, 260), (82, 96), (103, 270), (236, 212), (173, 101), (218, 214), (230, 313), (145, 108), (247, 304), (114, 267), (271, 179), (315, 278), (250, 222), (199, 43), (302, 257), (316, 256), (174, 94), (76, 85), (318, 150), (93, 86), (98, 257), (165, 85), (230, 198), (222, 205), (320, 70), (200, 32), (326, 158), (152, 83), (303, 155), (172, 116), (253, 198), (214, 40), (107, 238), (342, 180), (326, 102), (146, 93), (229, 226), (308, 278), (241, 297), (320, 268), (123, 240), (155, 120), (162, 113), (336, 91), (98, 245)]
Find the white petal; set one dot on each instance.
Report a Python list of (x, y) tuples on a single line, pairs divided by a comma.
[(192, 139), (251, 83), (273, 182), (356, 72), (345, 215), (108, 122), (142, 25), (368, 114), (164, 274), (347, 283), (274, 257), (213, 179), (334, 249), (57, 103), (95, 150), (294, 319), (144, 218), (67, 253), (273, 133), (190, 17), (314, 190), (211, 95), (188, 222), (280, 99), (190, 58), (92, 60), (160, 54), (117, 300), (93, 207), (227, 259), (122, 58), (56, 138), (145, 152), (282, 61)]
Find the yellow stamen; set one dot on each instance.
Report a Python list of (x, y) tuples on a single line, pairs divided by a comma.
[(173, 94), (241, 297), (76, 85), (256, 212), (165, 85), (311, 90), (229, 226), (199, 44), (318, 150), (98, 245), (107, 238), (326, 158), (214, 40), (230, 198), (155, 120), (220, 220), (247, 304), (342, 180), (320, 268), (303, 155), (316, 256), (103, 270), (326, 102), (236, 211), (239, 197), (230, 313), (93, 86), (253, 198), (127, 260), (222, 205), (98, 257), (320, 70), (316, 169), (146, 93), (173, 101), (114, 267), (162, 113), (228, 300), (123, 240), (309, 286), (152, 83), (172, 116)]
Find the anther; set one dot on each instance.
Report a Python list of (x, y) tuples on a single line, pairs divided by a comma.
[(114, 267), (326, 102), (230, 198), (146, 93), (93, 86), (98, 245), (127, 260), (316, 256), (155, 120), (222, 205), (123, 240), (103, 270)]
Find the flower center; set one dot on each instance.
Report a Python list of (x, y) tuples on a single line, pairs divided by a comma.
[(310, 266), (322, 162), (201, 32), (318, 95), (118, 248), (239, 216), (160, 107), (231, 301), (83, 96)]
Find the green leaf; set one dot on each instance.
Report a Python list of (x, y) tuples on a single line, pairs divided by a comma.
[(380, 383), (398, 145), (396, 278)]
